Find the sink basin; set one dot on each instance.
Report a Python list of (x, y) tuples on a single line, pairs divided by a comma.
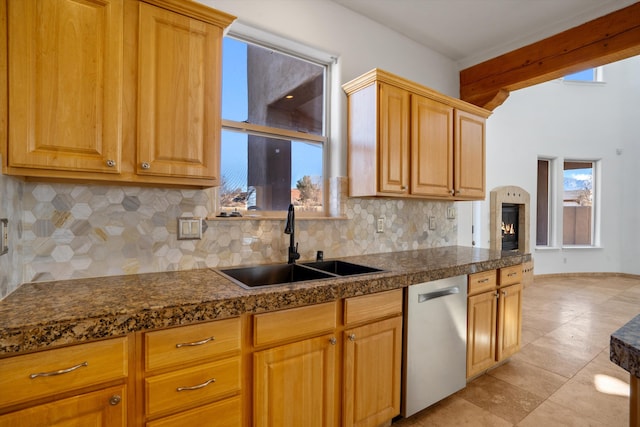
[(264, 275), (341, 268)]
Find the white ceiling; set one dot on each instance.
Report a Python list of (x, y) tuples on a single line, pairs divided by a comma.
[(472, 31)]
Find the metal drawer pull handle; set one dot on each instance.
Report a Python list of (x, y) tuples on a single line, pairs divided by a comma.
[(60, 372), (512, 274), (193, 344), (196, 387), (485, 280), (437, 294)]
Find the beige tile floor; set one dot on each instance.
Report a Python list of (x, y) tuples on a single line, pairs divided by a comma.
[(562, 376)]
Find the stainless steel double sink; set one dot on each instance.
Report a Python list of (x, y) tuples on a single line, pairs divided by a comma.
[(276, 274)]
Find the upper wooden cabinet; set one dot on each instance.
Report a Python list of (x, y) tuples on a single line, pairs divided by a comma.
[(406, 140), (65, 85), (116, 90), (179, 95)]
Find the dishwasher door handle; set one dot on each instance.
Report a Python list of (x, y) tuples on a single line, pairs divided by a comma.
[(437, 294)]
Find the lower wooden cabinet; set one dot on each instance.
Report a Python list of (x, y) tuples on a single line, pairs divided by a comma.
[(372, 370), (482, 312), (191, 374), (100, 408), (299, 360), (509, 321), (295, 384), (79, 385), (494, 317)]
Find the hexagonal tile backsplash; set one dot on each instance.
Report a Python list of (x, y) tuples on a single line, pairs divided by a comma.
[(73, 231)]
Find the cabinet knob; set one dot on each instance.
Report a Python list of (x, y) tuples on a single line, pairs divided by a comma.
[(115, 399), (504, 293), (333, 341), (404, 187), (111, 163), (145, 165), (497, 295), (452, 191), (352, 337)]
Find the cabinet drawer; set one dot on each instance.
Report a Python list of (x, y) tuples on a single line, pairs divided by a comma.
[(481, 282), (177, 346), (226, 413), (51, 372), (371, 307), (270, 328), (511, 275), (191, 387)]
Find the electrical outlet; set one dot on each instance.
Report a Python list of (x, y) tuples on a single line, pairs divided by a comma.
[(380, 225), (432, 223), (189, 228), (4, 236), (451, 212)]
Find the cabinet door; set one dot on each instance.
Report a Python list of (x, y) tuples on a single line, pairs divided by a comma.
[(481, 332), (469, 156), (294, 384), (372, 369), (393, 140), (65, 84), (179, 95), (431, 147), (101, 408), (509, 320)]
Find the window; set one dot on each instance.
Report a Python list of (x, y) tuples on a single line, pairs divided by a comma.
[(543, 205), (578, 203), (273, 138), (588, 75)]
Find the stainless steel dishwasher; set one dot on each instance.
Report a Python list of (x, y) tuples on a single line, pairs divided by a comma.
[(435, 358)]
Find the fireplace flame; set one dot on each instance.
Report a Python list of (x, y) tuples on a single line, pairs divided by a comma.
[(508, 229)]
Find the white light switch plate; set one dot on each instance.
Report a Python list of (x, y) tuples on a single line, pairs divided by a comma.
[(4, 236), (432, 223), (189, 228)]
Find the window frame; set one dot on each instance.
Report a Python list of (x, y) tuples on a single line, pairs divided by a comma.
[(597, 76), (549, 200), (595, 203), (299, 51)]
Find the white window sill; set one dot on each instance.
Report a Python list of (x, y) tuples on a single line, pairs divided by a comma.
[(580, 248), (273, 218)]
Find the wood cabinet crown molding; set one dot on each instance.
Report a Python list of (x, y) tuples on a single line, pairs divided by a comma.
[(195, 10), (383, 76)]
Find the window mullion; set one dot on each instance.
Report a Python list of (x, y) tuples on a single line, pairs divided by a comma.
[(271, 132)]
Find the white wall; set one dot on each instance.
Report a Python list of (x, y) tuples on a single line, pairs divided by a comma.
[(578, 121)]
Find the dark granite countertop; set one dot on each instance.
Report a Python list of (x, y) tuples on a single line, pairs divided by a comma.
[(43, 315), (624, 349)]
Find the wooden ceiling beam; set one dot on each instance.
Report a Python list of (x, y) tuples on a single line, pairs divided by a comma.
[(607, 39)]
